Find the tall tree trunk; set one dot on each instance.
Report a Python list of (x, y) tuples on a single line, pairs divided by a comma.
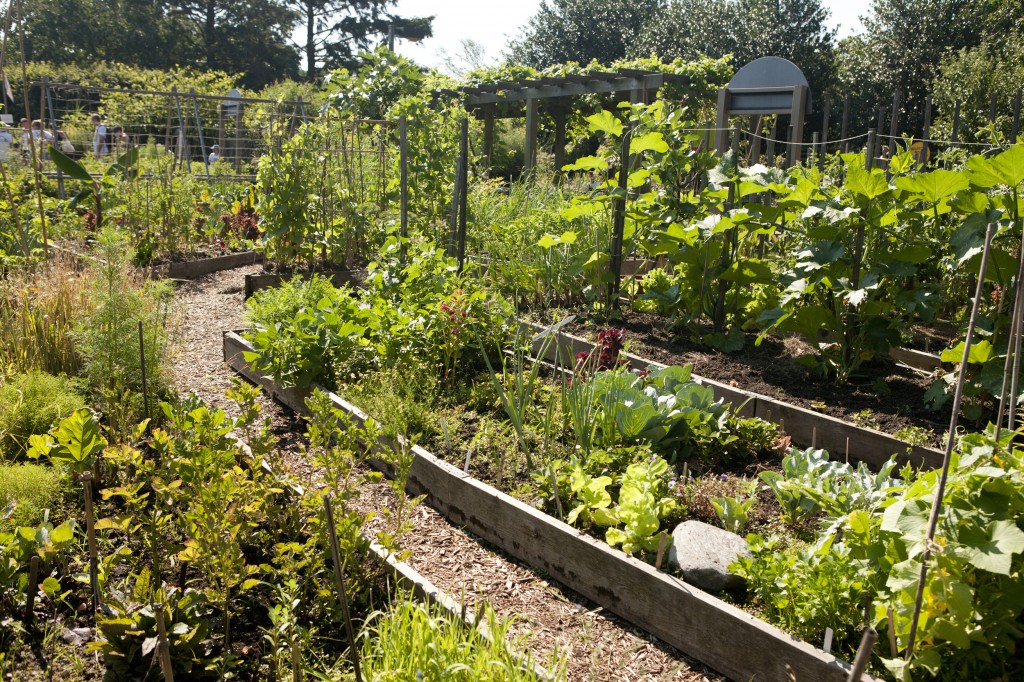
[(209, 26), (310, 42)]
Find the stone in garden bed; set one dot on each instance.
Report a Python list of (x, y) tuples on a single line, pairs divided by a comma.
[(703, 553)]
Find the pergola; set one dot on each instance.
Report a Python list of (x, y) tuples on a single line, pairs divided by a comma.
[(525, 97)]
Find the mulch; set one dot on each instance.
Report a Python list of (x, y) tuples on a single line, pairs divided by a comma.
[(552, 620)]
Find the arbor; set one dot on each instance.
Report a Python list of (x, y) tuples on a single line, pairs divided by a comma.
[(583, 30)]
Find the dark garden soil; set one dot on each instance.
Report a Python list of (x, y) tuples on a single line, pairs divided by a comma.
[(885, 396), (597, 645)]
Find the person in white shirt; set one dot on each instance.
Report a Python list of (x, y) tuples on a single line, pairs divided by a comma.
[(214, 154), (64, 143), (99, 137), (6, 140), (40, 135)]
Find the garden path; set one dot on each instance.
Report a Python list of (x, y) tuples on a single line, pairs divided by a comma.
[(596, 644)]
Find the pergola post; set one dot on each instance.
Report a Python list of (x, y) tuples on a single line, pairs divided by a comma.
[(796, 118), (530, 151), (559, 140), (488, 139), (722, 122)]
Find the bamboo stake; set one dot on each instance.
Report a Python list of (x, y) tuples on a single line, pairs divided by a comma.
[(860, 663), (933, 520), (142, 364), (554, 488), (339, 579), (36, 156)]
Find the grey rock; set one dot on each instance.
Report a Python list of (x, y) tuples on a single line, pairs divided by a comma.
[(703, 554), (77, 636)]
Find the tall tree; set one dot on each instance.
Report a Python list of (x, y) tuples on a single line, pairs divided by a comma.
[(582, 30), (336, 31), (797, 30), (242, 36), (247, 37), (903, 44)]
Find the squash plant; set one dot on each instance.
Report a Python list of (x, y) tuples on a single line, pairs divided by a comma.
[(850, 255)]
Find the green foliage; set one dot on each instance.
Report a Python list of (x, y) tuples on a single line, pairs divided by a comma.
[(422, 310), (565, 31), (410, 640), (129, 631), (870, 542), (677, 416), (30, 404), (797, 30), (27, 492), (108, 336), (39, 310), (76, 442)]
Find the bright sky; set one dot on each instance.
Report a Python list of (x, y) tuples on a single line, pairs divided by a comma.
[(493, 23)]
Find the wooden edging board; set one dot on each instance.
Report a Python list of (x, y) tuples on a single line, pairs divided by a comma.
[(182, 270), (804, 426), (204, 266), (254, 283), (718, 634)]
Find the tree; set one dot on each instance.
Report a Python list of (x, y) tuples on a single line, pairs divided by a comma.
[(336, 31), (242, 36), (972, 75), (247, 37), (796, 30), (903, 44), (471, 56), (582, 30)]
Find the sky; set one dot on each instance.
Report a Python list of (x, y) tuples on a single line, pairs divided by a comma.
[(492, 24)]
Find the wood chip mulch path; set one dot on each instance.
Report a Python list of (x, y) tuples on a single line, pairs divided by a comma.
[(553, 620)]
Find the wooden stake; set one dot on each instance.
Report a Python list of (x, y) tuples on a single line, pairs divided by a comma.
[(554, 488), (892, 633), (163, 644), (142, 364), (339, 580), (90, 525), (33, 588), (661, 551), (860, 663)]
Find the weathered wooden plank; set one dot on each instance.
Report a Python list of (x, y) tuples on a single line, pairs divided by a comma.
[(205, 266), (915, 358), (234, 347), (679, 614)]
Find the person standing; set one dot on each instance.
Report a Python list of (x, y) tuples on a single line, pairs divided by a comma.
[(99, 137), (214, 154), (6, 141)]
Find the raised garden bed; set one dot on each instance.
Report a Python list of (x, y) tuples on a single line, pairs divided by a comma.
[(806, 427), (681, 615), (258, 281), (205, 266), (187, 269)]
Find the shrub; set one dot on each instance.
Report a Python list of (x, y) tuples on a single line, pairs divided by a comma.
[(31, 403), (30, 489)]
